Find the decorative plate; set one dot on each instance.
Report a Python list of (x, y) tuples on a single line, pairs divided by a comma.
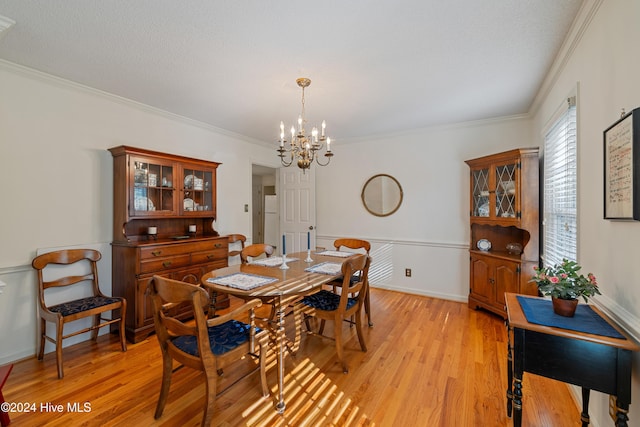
[(483, 209), (142, 203), (188, 181), (484, 244), (189, 205)]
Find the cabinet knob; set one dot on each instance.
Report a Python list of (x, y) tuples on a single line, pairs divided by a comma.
[(492, 281), (218, 245), (211, 256), (166, 264), (156, 253)]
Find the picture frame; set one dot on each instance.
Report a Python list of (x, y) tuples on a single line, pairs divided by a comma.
[(622, 168)]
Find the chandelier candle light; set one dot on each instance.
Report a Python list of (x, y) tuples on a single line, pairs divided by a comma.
[(302, 147)]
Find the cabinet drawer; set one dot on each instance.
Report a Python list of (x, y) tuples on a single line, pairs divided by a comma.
[(152, 252), (209, 256), (166, 263)]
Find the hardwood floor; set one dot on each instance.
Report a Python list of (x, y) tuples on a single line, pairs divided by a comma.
[(430, 363)]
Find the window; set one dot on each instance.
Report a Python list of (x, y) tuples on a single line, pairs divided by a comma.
[(559, 225)]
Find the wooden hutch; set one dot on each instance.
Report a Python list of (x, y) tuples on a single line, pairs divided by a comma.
[(504, 215), (164, 208)]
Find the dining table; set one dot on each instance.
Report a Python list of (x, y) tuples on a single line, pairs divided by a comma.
[(271, 280)]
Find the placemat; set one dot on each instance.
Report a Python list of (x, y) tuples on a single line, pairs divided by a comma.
[(540, 312), (340, 254), (272, 261), (332, 268), (242, 281)]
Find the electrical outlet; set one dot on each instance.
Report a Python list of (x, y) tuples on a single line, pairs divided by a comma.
[(407, 272)]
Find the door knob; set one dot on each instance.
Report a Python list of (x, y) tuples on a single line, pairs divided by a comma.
[(311, 227)]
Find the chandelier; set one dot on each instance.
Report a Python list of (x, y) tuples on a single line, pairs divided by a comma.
[(302, 148)]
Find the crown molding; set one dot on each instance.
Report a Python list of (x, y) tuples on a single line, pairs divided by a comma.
[(435, 128), (69, 84), (579, 26)]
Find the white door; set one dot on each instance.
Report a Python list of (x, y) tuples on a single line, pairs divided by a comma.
[(297, 208)]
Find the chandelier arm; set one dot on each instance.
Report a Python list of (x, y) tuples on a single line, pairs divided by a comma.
[(323, 164)]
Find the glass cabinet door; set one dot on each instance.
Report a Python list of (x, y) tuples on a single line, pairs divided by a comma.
[(198, 191), (505, 190), (480, 194), (152, 188)]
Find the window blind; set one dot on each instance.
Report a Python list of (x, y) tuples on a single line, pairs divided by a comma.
[(559, 224)]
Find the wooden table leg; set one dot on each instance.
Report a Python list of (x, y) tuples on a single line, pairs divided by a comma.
[(213, 297), (280, 406)]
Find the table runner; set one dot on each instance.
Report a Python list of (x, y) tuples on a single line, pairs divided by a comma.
[(242, 281), (540, 312)]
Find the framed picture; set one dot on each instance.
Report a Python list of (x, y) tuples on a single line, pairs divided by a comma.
[(622, 168)]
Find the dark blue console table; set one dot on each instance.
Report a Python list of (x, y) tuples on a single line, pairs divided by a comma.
[(591, 361)]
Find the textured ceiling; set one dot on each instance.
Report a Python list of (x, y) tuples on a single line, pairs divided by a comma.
[(377, 66)]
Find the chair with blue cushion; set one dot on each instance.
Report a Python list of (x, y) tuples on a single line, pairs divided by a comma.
[(328, 305), (75, 270), (209, 344), (356, 244)]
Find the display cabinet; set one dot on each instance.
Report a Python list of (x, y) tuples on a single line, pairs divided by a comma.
[(164, 211), (504, 226)]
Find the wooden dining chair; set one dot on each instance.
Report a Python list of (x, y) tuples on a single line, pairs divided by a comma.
[(206, 346), (255, 250), (93, 306), (346, 306), (236, 238), (356, 244)]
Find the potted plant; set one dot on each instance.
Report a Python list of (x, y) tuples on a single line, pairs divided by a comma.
[(563, 283)]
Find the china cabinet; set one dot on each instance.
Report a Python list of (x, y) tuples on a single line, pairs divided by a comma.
[(164, 211), (504, 227)]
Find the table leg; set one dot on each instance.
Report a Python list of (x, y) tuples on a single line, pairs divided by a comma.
[(509, 375), (517, 402), (584, 416), (213, 296), (621, 415), (518, 370), (281, 348)]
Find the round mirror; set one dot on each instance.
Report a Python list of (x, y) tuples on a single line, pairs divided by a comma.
[(382, 195)]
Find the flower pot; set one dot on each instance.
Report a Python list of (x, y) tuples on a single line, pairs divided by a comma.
[(564, 307)]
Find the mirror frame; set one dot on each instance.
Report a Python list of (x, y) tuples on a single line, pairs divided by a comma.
[(392, 211)]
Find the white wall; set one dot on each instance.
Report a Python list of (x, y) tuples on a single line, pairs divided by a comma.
[(605, 66), (430, 232), (57, 178)]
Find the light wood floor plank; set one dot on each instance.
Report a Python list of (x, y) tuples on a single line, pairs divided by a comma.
[(430, 363)]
